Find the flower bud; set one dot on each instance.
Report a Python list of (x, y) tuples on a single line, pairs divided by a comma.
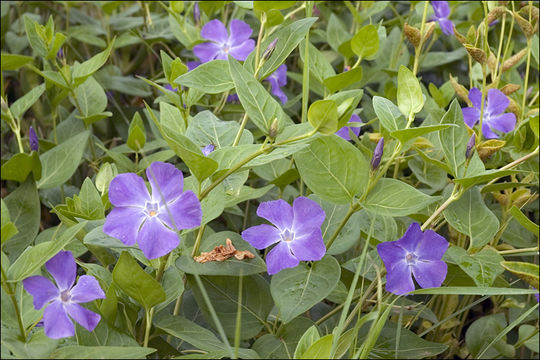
[(196, 14), (430, 27), (460, 90), (510, 88), (525, 25), (60, 54), (412, 34), (5, 106), (470, 146), (273, 131), (33, 139), (495, 14), (477, 54), (513, 60), (208, 149), (377, 154), (269, 50)]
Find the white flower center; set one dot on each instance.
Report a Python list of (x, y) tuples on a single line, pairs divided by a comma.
[(152, 208), (287, 236), (411, 258), (65, 296)]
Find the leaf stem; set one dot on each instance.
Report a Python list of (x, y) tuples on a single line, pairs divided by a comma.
[(240, 130), (418, 50), (305, 70), (11, 292), (456, 194)]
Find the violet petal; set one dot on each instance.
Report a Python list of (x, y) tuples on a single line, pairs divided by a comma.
[(279, 258), (240, 31), (432, 246), (185, 211), (308, 246), (505, 122), (430, 273), (241, 51), (41, 289), (447, 26), (155, 240), (56, 322), (86, 318), (399, 279), (278, 212), (307, 215), (206, 51), (471, 116), (166, 181), (63, 269), (261, 236), (391, 253), (487, 132), (441, 9), (123, 223), (128, 189), (411, 239), (475, 95), (215, 30), (497, 102), (87, 289)]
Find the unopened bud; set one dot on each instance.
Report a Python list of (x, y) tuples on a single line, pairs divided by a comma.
[(196, 14), (412, 34), (513, 60), (510, 88), (208, 149), (60, 54), (377, 154), (269, 50), (495, 14), (5, 106), (430, 27), (477, 54), (470, 146), (525, 25), (273, 131), (33, 139)]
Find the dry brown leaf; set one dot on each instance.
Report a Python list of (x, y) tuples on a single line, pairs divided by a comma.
[(222, 253)]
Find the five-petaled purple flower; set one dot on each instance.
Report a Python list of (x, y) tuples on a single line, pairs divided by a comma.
[(417, 253), (297, 230), (151, 220), (442, 11), (64, 298), (494, 117), (344, 131), (237, 44), (33, 139), (277, 80)]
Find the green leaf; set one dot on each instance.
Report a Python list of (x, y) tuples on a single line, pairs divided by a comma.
[(296, 290), (223, 293), (205, 128), (190, 332), (38, 346), (483, 267), (428, 173), (212, 77), (36, 41), (393, 197), (25, 212), (19, 107), (473, 290), (260, 106), (388, 114), (483, 331), (323, 116), (135, 282), (229, 267), (60, 162), (333, 168), (467, 182), (409, 94), (524, 221), (523, 270), (91, 98), (343, 80), (454, 139), (320, 349), (470, 216), (268, 5), (199, 165), (8, 228), (14, 61), (529, 332), (91, 206), (136, 133), (20, 165), (365, 43), (405, 135), (308, 338), (82, 71), (101, 352), (319, 65), (35, 256)]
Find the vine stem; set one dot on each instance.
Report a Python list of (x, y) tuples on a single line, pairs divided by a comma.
[(11, 292), (305, 71), (149, 314), (418, 51), (453, 197)]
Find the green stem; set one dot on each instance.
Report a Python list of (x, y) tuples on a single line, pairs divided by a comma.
[(198, 240), (11, 292), (305, 70), (518, 251), (352, 209), (149, 314), (238, 317), (418, 50), (456, 193), (526, 80), (240, 130)]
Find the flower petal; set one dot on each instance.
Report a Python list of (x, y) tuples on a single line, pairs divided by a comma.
[(41, 288), (185, 211), (430, 273), (241, 51), (279, 258), (63, 269), (214, 30), (440, 8), (192, 64), (166, 181), (207, 51), (240, 32), (277, 92), (447, 26), (487, 132), (278, 212), (155, 240), (432, 246), (497, 102), (56, 322), (86, 318), (307, 215), (411, 239), (123, 223), (87, 289), (391, 253), (398, 278), (505, 122), (128, 189), (475, 95), (261, 236), (308, 246), (471, 116)]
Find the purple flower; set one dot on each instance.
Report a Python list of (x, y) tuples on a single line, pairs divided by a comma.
[(169, 87), (233, 98), (151, 220), (470, 146), (60, 53), (297, 230), (442, 11), (344, 131), (377, 154), (33, 139), (277, 80), (192, 65), (196, 14), (417, 252), (494, 116), (208, 149), (237, 44), (64, 298)]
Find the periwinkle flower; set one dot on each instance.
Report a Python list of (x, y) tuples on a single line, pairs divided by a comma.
[(377, 154), (233, 98), (208, 149), (33, 139), (196, 14), (151, 220), (470, 146), (237, 44), (64, 298), (170, 88), (270, 49), (494, 117), (416, 253), (344, 131), (442, 11), (296, 230), (278, 79)]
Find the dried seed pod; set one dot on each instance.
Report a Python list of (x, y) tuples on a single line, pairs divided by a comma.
[(513, 60), (462, 39), (525, 25), (460, 90), (430, 27), (514, 108), (477, 54), (495, 14), (412, 34), (489, 147), (510, 88)]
